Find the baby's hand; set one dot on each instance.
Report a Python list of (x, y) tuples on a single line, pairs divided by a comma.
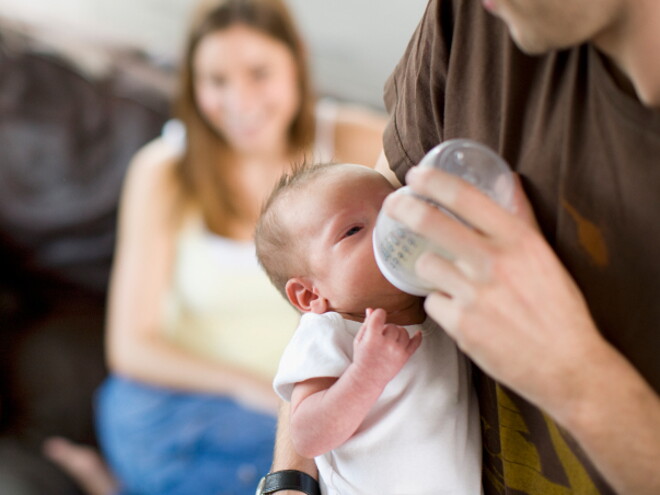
[(381, 349)]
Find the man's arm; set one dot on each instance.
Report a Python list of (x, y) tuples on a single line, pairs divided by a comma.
[(513, 308), (285, 456)]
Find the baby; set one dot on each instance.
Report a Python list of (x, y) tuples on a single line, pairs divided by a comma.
[(380, 395)]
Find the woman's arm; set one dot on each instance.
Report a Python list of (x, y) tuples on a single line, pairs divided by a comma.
[(383, 167), (359, 135), (150, 212)]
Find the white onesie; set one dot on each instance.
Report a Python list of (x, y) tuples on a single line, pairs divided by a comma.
[(422, 436)]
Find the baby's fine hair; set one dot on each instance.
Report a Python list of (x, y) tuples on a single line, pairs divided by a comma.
[(276, 249)]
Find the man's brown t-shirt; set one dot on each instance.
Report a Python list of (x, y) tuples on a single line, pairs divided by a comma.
[(589, 157)]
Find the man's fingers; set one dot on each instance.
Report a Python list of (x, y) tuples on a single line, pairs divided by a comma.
[(463, 199), (450, 235), (447, 277), (445, 311)]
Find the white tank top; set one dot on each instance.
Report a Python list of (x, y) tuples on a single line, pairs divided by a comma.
[(221, 303)]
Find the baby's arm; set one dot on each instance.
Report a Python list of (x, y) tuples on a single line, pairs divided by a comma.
[(327, 411)]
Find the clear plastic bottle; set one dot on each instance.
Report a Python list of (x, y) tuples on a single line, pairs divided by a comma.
[(396, 248)]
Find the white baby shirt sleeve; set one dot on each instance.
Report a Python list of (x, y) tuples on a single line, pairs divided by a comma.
[(322, 346)]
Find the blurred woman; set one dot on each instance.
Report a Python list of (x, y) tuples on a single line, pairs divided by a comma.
[(195, 329)]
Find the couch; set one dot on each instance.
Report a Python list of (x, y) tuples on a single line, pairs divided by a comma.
[(68, 129)]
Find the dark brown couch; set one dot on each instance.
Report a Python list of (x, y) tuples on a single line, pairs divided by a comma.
[(66, 137)]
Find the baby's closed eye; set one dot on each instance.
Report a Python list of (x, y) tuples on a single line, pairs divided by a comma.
[(353, 230)]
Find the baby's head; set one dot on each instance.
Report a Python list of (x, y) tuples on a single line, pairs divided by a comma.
[(314, 239)]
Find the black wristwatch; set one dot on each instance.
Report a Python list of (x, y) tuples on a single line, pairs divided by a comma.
[(288, 479)]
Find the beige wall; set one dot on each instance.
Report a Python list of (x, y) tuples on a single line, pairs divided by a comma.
[(354, 43)]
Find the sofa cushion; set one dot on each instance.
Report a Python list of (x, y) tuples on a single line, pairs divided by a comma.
[(66, 139)]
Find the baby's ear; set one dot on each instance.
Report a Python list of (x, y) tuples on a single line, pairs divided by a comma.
[(303, 295)]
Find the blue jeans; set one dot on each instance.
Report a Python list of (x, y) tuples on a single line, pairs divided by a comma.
[(165, 442)]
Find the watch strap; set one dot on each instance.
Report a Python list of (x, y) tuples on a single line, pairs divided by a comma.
[(290, 479)]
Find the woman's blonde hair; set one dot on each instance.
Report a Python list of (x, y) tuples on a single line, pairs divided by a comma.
[(204, 169)]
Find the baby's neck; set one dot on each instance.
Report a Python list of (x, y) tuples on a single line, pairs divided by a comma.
[(411, 314)]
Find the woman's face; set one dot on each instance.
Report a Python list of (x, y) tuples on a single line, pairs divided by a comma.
[(246, 87)]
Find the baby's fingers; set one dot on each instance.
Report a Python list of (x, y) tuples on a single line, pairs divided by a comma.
[(414, 343), (373, 323)]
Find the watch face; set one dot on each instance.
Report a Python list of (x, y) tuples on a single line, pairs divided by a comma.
[(260, 486)]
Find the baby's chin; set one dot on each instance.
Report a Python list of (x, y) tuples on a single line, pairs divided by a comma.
[(389, 292), (402, 308)]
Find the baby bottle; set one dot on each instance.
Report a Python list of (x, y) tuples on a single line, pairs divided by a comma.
[(396, 248)]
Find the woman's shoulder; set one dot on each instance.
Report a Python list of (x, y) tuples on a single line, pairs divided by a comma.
[(152, 182), (156, 157), (357, 116), (156, 163), (358, 131)]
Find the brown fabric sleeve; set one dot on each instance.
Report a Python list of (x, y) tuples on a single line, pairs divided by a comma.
[(414, 93)]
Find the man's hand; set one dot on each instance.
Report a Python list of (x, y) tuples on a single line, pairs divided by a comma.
[(513, 308), (505, 297)]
